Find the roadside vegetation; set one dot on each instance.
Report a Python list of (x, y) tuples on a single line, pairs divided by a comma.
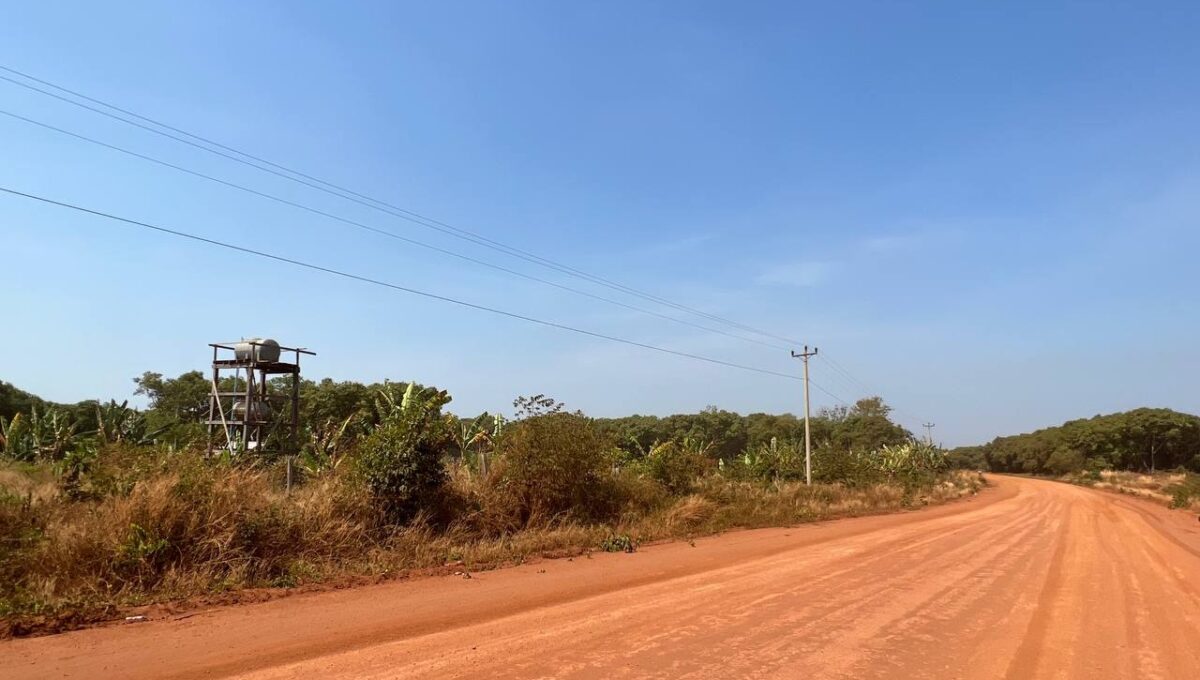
[(1179, 490), (1149, 452), (1142, 440), (104, 507)]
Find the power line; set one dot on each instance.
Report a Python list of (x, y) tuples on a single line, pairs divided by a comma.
[(849, 376), (378, 230), (845, 375), (830, 394), (384, 284), (362, 199), (376, 204)]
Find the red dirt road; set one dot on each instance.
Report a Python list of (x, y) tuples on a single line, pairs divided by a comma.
[(1031, 579)]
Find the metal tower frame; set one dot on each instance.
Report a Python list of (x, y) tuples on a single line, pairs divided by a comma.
[(263, 414)]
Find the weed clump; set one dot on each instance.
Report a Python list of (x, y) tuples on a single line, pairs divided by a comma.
[(619, 543)]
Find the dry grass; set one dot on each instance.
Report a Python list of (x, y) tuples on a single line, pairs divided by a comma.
[(189, 530), (27, 481), (1175, 489)]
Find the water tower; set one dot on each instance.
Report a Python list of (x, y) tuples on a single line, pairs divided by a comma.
[(247, 410)]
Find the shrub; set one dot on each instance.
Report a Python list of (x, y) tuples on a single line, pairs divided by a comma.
[(1064, 461), (1185, 491), (775, 461), (619, 543), (639, 493), (401, 460), (676, 465), (555, 466), (852, 468)]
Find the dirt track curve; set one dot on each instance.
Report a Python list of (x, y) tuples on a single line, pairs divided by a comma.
[(1031, 579)]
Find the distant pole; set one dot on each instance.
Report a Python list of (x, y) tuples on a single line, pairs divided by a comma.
[(928, 432), (803, 356)]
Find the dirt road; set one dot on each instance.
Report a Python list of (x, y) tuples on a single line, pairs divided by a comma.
[(1031, 579)]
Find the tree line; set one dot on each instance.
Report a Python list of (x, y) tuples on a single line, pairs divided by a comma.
[(1143, 440), (341, 419), (347, 411)]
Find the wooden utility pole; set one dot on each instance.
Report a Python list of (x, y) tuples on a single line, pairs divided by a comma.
[(803, 356), (928, 432)]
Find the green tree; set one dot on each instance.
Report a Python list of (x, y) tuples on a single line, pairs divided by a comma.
[(177, 405), (401, 460), (1142, 439), (867, 426), (332, 404), (14, 401)]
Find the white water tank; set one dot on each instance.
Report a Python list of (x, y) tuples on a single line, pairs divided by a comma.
[(261, 410), (262, 350)]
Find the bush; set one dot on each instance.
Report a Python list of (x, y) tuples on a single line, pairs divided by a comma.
[(776, 461), (833, 466), (619, 543), (912, 463), (555, 466), (676, 465), (1184, 492), (401, 460), (1064, 461)]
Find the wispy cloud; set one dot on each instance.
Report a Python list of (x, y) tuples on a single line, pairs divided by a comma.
[(798, 274)]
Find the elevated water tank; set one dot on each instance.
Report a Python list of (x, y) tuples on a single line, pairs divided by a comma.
[(260, 410), (263, 350)]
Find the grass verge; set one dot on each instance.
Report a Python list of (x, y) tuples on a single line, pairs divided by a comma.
[(180, 534), (1178, 490)]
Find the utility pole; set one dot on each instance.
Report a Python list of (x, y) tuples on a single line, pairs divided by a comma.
[(803, 356), (928, 432)]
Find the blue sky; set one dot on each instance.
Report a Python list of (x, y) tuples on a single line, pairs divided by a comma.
[(988, 215)]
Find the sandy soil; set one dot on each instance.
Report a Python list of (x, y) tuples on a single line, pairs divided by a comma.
[(1031, 579)]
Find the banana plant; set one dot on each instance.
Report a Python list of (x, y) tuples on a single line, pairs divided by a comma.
[(325, 449), (474, 441), (471, 436), (41, 436), (910, 457), (118, 423), (16, 439), (414, 403)]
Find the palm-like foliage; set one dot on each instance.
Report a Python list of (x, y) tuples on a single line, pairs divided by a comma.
[(910, 457), (118, 423), (45, 435), (475, 440), (326, 446)]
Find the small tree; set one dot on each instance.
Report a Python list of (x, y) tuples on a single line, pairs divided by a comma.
[(177, 405), (402, 459)]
